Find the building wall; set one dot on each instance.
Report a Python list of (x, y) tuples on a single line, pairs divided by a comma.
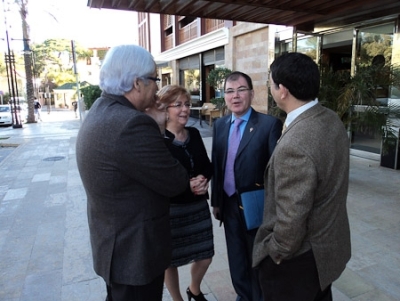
[(175, 72), (155, 34), (250, 49), (248, 52)]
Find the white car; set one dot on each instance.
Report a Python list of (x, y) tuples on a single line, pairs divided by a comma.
[(5, 115), (23, 112)]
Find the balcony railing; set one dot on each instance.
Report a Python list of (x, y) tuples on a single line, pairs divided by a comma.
[(188, 32), (167, 21), (169, 42), (214, 24)]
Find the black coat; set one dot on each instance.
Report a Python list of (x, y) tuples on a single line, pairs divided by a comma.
[(193, 156)]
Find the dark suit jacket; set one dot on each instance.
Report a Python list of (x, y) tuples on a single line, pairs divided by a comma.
[(129, 176), (256, 146), (307, 182)]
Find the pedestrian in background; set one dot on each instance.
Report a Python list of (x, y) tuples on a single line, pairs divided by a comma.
[(38, 108), (75, 105), (191, 225), (129, 177), (239, 171), (303, 244)]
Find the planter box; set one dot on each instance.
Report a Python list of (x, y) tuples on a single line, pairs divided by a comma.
[(390, 152)]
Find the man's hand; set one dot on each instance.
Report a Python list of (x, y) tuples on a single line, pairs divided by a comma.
[(159, 114), (216, 213)]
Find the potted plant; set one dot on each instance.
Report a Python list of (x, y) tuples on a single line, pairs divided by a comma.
[(390, 146), (216, 79), (356, 99)]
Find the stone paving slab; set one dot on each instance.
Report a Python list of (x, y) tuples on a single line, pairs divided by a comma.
[(44, 240)]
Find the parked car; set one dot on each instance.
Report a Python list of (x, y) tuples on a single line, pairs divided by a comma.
[(22, 112), (22, 108), (5, 115)]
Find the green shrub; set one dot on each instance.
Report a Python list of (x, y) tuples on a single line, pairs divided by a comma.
[(90, 94), (216, 79)]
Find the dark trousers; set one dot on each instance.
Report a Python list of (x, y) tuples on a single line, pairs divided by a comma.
[(239, 243), (292, 280), (123, 292)]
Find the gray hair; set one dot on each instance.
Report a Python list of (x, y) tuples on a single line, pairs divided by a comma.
[(124, 64)]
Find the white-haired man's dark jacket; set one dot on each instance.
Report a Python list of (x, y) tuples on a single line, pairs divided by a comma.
[(129, 176)]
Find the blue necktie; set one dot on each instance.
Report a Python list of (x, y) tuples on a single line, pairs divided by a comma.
[(234, 140)]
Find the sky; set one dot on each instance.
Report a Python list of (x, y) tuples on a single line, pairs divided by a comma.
[(69, 19)]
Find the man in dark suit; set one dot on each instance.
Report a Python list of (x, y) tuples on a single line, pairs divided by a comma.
[(129, 176), (303, 244), (239, 172)]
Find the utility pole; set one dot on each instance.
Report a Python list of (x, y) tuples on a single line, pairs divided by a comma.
[(12, 81), (77, 81)]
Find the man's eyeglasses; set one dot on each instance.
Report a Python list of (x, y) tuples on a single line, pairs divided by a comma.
[(155, 79), (179, 105), (240, 91)]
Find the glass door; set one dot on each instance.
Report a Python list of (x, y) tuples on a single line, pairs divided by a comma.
[(372, 66), (304, 42)]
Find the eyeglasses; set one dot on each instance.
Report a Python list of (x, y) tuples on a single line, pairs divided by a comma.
[(180, 105), (155, 79), (240, 91)]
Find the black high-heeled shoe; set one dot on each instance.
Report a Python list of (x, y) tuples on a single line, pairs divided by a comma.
[(199, 297)]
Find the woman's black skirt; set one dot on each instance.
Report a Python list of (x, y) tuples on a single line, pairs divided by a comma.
[(192, 233)]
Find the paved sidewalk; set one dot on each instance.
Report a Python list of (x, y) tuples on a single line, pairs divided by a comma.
[(44, 240)]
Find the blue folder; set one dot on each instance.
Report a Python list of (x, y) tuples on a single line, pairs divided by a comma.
[(253, 207)]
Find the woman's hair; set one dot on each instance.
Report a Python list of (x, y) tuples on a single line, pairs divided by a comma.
[(170, 94), (124, 64)]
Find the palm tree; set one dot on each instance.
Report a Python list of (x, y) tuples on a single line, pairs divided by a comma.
[(23, 11), (28, 59)]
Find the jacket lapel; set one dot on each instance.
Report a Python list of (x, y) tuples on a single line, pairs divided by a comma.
[(224, 136), (307, 114), (248, 132)]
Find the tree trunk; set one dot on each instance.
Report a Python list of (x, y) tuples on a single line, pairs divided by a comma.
[(30, 93)]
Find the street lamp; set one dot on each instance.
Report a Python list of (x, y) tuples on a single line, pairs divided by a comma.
[(12, 81), (46, 91), (12, 84), (29, 72), (35, 88)]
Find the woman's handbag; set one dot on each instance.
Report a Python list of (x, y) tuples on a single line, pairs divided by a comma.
[(252, 204)]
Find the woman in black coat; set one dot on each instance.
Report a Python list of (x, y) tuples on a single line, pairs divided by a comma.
[(191, 226)]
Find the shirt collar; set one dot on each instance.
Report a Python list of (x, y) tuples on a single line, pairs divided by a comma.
[(293, 115), (245, 117)]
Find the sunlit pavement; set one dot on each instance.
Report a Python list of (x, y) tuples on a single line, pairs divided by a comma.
[(44, 242)]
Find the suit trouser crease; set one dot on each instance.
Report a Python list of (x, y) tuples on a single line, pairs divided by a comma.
[(240, 247)]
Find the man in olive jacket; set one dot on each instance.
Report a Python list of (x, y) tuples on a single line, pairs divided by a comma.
[(303, 244), (129, 176)]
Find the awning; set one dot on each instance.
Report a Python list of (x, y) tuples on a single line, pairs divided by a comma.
[(311, 15)]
